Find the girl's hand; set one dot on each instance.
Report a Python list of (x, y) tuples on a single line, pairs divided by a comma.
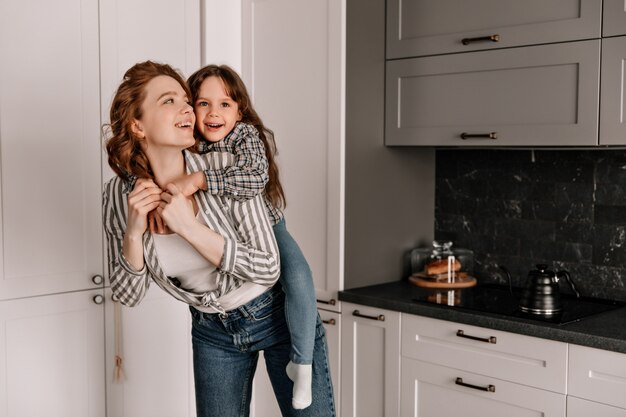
[(190, 183), (176, 210), (144, 198)]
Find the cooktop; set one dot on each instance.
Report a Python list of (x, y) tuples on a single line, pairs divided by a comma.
[(500, 299)]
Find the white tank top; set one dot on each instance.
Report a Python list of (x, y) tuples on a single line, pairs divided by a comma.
[(178, 258)]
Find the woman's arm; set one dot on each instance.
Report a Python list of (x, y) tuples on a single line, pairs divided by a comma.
[(251, 256), (128, 276), (254, 256)]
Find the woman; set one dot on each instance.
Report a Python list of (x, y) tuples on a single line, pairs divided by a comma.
[(218, 254)]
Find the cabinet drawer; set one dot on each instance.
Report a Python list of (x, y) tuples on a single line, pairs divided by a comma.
[(597, 375), (506, 356), (432, 390), (577, 407), (534, 96), (429, 27)]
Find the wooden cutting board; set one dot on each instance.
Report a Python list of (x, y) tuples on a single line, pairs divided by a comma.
[(461, 281)]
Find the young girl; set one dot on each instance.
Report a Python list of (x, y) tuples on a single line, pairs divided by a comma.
[(229, 123), (219, 255)]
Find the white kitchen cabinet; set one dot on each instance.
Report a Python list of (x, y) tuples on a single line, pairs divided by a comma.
[(597, 375), (51, 353), (157, 358), (543, 95), (613, 92), (577, 407), (49, 135), (370, 362), (614, 20), (294, 68), (433, 390), (494, 354), (430, 27), (450, 368)]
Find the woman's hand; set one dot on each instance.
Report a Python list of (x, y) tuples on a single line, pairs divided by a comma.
[(144, 198), (177, 210)]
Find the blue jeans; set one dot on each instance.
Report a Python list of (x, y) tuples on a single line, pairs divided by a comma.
[(225, 353), (300, 303)]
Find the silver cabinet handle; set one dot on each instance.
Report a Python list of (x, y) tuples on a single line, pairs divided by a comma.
[(357, 313), (98, 299), (332, 322), (488, 388), (97, 279), (114, 298), (490, 339), (331, 302), (490, 135), (490, 38)]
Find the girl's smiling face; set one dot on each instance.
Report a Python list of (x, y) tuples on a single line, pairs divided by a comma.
[(167, 118), (216, 112)]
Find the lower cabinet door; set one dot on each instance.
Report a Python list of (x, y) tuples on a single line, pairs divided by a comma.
[(431, 390), (370, 362), (157, 358), (577, 407), (51, 355)]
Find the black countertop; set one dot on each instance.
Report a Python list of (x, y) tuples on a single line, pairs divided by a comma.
[(605, 330)]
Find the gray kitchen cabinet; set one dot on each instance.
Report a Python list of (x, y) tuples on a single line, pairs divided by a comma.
[(597, 376), (457, 369), (613, 92), (614, 20), (370, 383), (545, 95), (430, 27)]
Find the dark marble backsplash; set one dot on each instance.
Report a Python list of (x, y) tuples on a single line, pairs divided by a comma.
[(518, 208)]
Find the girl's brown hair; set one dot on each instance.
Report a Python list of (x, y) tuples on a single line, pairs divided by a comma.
[(125, 155), (236, 90)]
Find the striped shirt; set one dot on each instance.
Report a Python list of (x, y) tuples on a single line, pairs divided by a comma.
[(247, 176), (250, 249)]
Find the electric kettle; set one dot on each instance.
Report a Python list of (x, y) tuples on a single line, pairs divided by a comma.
[(542, 294)]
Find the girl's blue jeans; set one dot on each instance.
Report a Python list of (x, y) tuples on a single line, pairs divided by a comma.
[(300, 303), (225, 354)]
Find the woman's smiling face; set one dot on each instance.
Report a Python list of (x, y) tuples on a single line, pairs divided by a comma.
[(216, 111), (167, 118)]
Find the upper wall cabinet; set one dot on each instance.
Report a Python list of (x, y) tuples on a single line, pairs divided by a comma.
[(545, 95), (614, 20), (430, 27), (613, 92)]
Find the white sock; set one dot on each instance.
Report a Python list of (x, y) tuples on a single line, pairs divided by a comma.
[(302, 377)]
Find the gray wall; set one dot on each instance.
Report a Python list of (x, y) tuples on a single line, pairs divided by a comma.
[(389, 191)]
